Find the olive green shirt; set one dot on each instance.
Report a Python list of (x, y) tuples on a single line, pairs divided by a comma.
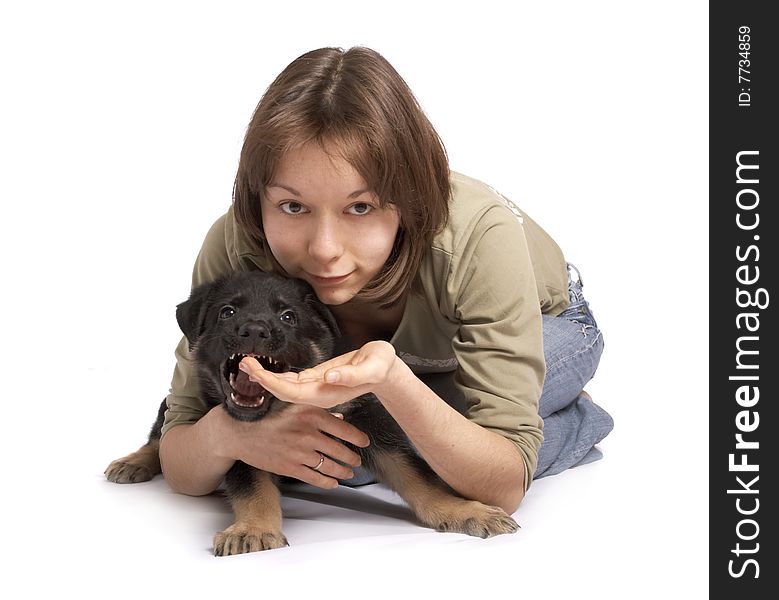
[(486, 280)]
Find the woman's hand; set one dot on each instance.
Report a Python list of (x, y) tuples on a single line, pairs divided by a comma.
[(334, 382), (292, 442)]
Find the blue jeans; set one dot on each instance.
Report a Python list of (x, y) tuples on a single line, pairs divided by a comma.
[(573, 424)]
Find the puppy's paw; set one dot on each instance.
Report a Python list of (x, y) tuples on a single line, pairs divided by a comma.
[(126, 471), (240, 538), (476, 519), (141, 465)]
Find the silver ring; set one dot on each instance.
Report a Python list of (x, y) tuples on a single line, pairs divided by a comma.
[(321, 461)]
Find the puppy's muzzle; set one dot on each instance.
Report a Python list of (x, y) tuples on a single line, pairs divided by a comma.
[(248, 400), (254, 331)]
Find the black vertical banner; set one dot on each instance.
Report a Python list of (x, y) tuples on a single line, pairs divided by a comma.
[(743, 229)]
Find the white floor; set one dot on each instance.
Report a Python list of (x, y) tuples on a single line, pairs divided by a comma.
[(630, 525)]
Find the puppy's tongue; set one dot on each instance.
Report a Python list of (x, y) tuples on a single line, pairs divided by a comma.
[(243, 386)]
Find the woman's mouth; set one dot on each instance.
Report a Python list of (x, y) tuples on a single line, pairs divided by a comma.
[(328, 281)]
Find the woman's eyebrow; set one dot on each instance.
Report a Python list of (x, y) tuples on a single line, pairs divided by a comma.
[(291, 190), (294, 192)]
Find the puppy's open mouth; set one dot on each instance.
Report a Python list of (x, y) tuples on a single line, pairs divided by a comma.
[(246, 394)]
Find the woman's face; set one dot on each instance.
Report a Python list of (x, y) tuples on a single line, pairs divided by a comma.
[(324, 226)]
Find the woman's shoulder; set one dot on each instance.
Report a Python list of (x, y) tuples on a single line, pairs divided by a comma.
[(471, 193), (479, 212), (474, 208), (227, 248)]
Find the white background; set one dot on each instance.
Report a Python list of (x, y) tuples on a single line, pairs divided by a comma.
[(120, 129)]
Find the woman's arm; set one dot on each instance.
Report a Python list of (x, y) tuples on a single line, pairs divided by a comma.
[(190, 455), (196, 457), (476, 462)]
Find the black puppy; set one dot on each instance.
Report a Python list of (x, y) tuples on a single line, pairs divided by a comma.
[(282, 324)]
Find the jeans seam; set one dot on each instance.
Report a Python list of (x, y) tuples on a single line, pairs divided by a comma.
[(565, 359)]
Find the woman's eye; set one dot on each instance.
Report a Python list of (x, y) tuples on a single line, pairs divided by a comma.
[(292, 208), (226, 312), (361, 208), (288, 317)]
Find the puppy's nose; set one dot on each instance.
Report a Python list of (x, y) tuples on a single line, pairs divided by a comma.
[(254, 329)]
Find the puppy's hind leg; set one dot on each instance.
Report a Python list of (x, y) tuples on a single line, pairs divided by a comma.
[(144, 463), (256, 501), (434, 503)]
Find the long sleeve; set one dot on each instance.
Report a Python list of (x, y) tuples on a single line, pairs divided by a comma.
[(184, 403), (498, 344)]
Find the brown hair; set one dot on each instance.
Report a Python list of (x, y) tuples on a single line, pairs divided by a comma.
[(353, 101)]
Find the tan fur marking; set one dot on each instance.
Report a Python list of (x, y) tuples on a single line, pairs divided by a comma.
[(317, 354), (141, 465), (437, 507), (257, 521)]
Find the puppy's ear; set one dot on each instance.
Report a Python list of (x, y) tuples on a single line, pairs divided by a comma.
[(191, 314), (309, 297), (324, 313)]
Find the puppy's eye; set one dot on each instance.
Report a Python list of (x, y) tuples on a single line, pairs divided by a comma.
[(226, 312), (288, 317)]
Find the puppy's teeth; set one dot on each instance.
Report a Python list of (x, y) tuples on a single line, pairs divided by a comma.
[(232, 357), (232, 396), (232, 379), (262, 399)]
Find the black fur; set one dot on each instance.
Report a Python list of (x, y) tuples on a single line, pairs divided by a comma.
[(259, 299), (281, 322)]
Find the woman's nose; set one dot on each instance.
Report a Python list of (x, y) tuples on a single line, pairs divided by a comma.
[(325, 242)]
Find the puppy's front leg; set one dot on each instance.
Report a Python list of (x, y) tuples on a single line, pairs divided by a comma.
[(141, 465), (256, 502)]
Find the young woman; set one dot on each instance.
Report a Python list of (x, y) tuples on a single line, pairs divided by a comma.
[(465, 321)]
